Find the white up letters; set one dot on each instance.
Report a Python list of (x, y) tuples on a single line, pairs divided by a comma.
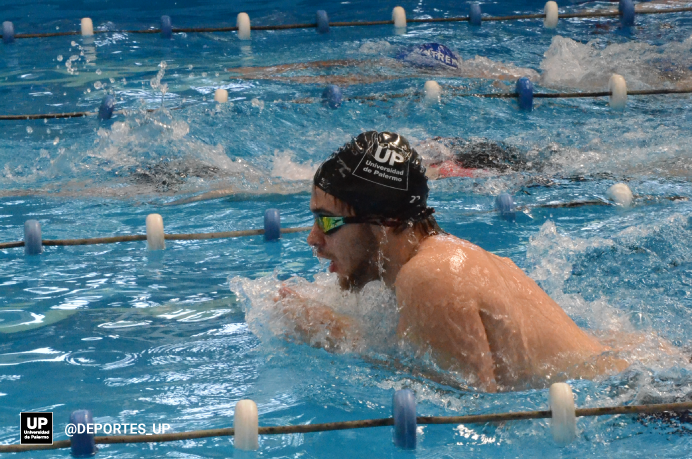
[(390, 155)]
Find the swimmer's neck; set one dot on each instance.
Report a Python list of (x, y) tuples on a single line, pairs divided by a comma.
[(396, 250)]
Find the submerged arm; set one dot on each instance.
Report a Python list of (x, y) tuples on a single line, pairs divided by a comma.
[(317, 324)]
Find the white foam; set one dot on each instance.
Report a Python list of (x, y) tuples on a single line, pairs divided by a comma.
[(482, 67), (569, 63), (375, 47), (284, 167), (551, 257), (257, 103), (373, 310), (138, 141), (432, 151)]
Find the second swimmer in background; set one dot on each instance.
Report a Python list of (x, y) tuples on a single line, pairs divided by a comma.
[(431, 59)]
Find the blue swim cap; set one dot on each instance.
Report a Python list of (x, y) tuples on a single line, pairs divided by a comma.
[(430, 55)]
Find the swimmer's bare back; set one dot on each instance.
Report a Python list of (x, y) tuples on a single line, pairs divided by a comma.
[(481, 315)]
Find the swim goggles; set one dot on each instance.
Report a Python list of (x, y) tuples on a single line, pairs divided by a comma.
[(329, 224)]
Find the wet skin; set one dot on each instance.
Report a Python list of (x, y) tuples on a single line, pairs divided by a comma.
[(474, 312)]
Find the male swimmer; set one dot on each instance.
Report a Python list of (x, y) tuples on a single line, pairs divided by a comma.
[(651, 67), (457, 157), (428, 58), (475, 313)]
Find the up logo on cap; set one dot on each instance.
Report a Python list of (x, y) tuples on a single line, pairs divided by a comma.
[(386, 161), (384, 154)]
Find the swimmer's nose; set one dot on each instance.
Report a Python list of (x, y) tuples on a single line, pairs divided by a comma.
[(316, 237)]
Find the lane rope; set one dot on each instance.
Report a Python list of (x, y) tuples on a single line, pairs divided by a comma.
[(300, 229), (143, 237), (360, 424), (378, 97), (517, 17)]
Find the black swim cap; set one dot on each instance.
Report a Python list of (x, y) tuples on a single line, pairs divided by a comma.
[(379, 175)]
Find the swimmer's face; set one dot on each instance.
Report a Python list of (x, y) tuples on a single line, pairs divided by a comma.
[(352, 248)]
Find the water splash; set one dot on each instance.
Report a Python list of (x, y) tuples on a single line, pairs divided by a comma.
[(600, 283), (285, 167), (373, 310), (569, 63), (156, 81)]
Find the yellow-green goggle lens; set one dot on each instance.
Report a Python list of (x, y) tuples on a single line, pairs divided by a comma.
[(329, 224)]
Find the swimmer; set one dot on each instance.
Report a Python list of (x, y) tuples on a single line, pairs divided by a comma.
[(458, 157), (432, 59), (473, 312), (644, 67)]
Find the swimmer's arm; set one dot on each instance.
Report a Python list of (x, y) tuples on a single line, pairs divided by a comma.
[(313, 321), (432, 314)]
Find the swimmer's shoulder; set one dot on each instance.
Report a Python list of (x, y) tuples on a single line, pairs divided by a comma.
[(446, 247), (453, 247), (443, 262)]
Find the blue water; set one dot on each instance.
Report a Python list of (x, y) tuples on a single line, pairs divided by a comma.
[(147, 337)]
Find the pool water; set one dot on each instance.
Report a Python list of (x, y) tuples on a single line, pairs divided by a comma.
[(180, 336)]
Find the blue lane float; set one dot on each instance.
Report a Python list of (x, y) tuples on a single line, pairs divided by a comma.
[(405, 424), (322, 22), (33, 244), (504, 204), (166, 27), (272, 225), (626, 10), (332, 96), (475, 14), (82, 444), (106, 108), (7, 32), (524, 90)]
